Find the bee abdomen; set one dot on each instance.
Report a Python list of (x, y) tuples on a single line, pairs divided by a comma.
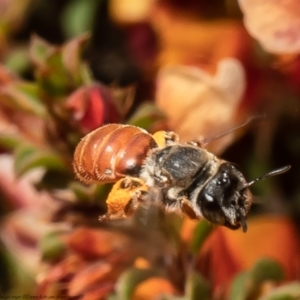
[(111, 152)]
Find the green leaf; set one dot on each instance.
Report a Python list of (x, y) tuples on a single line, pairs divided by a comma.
[(23, 96), (77, 17), (94, 193), (266, 269), (247, 285), (239, 287), (9, 141), (172, 224), (39, 50), (100, 192), (63, 70), (197, 287), (81, 192), (201, 232), (28, 157), (290, 291), (129, 280), (71, 58), (112, 297), (171, 297), (146, 116), (49, 72), (53, 77), (53, 180), (52, 246), (17, 60), (14, 13)]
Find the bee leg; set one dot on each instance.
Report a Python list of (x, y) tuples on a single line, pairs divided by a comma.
[(123, 199), (110, 215), (187, 208), (134, 203), (182, 206), (162, 178), (130, 207), (165, 138)]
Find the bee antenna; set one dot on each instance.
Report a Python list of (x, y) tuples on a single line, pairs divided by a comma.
[(232, 129), (270, 174)]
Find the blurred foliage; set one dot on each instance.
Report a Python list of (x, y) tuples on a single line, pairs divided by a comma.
[(68, 67)]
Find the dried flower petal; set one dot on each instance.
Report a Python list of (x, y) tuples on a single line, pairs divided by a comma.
[(6, 76), (152, 288), (61, 271), (193, 100), (21, 192), (189, 40), (91, 243), (98, 293), (90, 276), (22, 96), (130, 11), (13, 12), (227, 252), (275, 23), (21, 233)]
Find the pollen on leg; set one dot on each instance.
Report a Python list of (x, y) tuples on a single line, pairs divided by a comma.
[(165, 138), (124, 192)]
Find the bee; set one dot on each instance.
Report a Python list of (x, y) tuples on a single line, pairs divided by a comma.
[(184, 178)]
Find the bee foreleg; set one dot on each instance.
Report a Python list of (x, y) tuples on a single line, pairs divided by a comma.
[(134, 202), (187, 208), (181, 205)]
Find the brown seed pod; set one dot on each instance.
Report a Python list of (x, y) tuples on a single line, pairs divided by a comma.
[(112, 152)]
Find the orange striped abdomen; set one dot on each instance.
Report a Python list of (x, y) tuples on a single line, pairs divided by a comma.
[(112, 152)]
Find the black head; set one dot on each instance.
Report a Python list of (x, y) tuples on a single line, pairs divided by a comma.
[(226, 198)]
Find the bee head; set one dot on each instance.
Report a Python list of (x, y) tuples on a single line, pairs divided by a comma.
[(226, 198)]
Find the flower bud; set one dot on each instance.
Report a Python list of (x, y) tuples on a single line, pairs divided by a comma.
[(92, 106)]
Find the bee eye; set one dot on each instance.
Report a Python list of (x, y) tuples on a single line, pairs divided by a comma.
[(225, 182), (211, 209), (209, 198), (218, 200)]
